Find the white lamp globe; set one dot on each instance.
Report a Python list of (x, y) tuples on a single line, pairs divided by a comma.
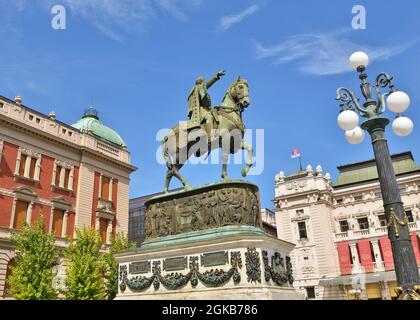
[(359, 59), (398, 102), (348, 120), (402, 126), (355, 136)]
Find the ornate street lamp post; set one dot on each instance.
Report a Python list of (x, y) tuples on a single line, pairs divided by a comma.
[(372, 109)]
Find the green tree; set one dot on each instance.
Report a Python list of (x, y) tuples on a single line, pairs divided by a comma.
[(119, 243), (31, 278), (84, 275)]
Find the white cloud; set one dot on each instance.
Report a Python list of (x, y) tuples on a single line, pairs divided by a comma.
[(114, 18), (324, 53), (178, 8), (228, 21)]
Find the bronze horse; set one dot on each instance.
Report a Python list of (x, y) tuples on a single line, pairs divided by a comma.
[(229, 134)]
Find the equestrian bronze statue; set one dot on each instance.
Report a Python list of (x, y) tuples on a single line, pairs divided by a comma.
[(208, 128)]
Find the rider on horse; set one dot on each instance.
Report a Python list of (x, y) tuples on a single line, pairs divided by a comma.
[(199, 104)]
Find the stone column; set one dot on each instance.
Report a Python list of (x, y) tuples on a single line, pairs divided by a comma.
[(377, 253), (97, 223), (108, 231), (37, 168), (27, 167), (51, 219), (12, 219), (100, 186), (354, 255), (29, 213), (111, 181), (71, 179), (64, 226), (62, 177)]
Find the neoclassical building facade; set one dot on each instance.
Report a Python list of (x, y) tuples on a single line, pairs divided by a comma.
[(72, 176), (340, 231)]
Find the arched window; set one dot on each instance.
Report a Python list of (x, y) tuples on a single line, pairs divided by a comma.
[(10, 265)]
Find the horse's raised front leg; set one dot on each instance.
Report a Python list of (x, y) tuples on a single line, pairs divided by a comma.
[(225, 158), (248, 147)]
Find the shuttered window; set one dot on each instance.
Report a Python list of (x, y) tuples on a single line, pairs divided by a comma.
[(105, 188), (32, 168), (57, 176), (57, 225), (103, 224), (22, 164), (20, 214), (67, 179)]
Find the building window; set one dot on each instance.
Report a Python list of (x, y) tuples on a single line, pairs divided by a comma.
[(63, 176), (378, 195), (22, 165), (21, 212), (403, 189), (359, 197), (410, 217), (57, 224), (300, 211), (344, 225), (103, 228), (363, 223), (340, 201), (382, 220), (28, 165), (105, 186), (302, 230), (310, 292)]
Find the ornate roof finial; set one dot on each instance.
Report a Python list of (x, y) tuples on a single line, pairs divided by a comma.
[(52, 116), (18, 100), (319, 170), (309, 170), (91, 112), (280, 177)]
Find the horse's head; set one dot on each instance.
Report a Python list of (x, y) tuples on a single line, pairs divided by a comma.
[(239, 91)]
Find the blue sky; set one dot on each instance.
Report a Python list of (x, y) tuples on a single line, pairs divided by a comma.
[(137, 60)]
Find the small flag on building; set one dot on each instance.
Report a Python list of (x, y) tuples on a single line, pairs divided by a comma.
[(295, 153)]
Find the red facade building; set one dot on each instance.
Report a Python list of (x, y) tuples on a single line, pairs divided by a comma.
[(72, 176)]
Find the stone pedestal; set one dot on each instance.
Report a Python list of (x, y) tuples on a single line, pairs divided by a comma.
[(207, 244)]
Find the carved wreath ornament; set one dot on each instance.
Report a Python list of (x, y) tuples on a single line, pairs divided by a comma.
[(296, 185), (175, 281)]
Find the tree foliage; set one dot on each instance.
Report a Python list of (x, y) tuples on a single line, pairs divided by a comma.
[(31, 278), (85, 273), (119, 243)]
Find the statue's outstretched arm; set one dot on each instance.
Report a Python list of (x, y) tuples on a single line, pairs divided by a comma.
[(216, 78)]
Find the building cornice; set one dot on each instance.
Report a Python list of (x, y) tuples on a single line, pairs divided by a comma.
[(16, 124)]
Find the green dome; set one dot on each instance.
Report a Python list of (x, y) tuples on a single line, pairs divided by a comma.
[(90, 123)]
